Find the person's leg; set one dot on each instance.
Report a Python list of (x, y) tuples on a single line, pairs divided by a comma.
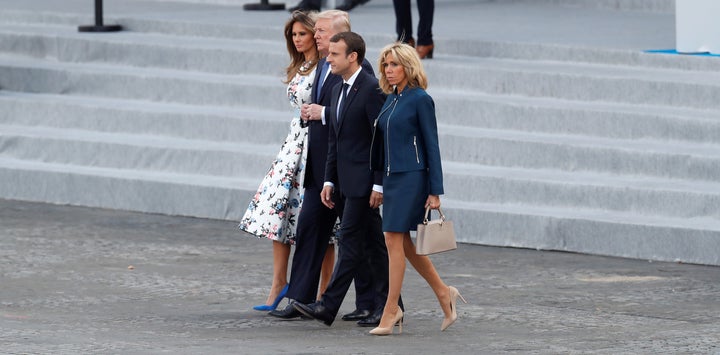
[(326, 270), (377, 259), (426, 9), (396, 274), (315, 224), (425, 268), (353, 231), (403, 20), (281, 255)]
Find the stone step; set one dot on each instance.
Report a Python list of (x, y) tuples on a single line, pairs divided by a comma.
[(484, 183), (587, 190), (604, 83), (579, 81), (503, 112), (136, 151), (196, 195), (600, 232), (267, 26), (212, 123), (454, 48), (18, 73), (666, 6), (485, 146), (262, 50), (203, 54), (567, 145), (667, 159), (570, 117), (695, 240)]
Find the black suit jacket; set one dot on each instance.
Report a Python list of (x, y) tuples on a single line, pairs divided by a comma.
[(350, 138), (317, 132)]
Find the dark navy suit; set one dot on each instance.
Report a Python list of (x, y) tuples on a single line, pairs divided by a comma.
[(348, 168)]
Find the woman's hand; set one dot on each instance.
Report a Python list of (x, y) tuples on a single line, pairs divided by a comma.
[(433, 201), (305, 112)]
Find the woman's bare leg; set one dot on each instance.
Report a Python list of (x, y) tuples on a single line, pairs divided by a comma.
[(425, 268), (326, 270), (396, 268), (281, 254)]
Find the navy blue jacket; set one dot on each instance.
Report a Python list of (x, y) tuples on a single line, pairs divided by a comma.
[(410, 138)]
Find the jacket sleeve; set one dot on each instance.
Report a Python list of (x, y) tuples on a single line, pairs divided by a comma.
[(331, 173), (372, 108), (331, 163), (428, 129)]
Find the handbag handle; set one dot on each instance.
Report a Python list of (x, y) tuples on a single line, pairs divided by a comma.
[(427, 214)]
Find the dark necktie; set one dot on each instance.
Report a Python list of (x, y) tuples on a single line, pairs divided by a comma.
[(343, 96), (321, 81)]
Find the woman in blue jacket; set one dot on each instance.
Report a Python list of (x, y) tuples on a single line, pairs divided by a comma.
[(406, 149)]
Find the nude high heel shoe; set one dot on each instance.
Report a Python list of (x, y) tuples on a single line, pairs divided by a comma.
[(448, 321), (389, 330)]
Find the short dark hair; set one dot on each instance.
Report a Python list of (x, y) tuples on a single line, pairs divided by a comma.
[(354, 43)]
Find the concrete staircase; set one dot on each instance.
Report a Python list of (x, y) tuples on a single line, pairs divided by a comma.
[(588, 150)]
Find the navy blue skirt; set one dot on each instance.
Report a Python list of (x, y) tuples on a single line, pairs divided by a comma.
[(404, 196)]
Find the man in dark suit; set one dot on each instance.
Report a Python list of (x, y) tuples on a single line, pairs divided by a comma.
[(316, 221), (351, 188)]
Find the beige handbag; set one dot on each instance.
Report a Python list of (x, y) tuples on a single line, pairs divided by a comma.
[(435, 236)]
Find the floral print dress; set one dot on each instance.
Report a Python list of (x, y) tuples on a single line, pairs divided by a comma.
[(273, 212)]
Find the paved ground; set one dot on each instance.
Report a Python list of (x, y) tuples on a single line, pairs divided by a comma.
[(66, 289)]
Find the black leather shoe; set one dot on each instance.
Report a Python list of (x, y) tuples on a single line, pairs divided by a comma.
[(356, 315), (289, 312), (316, 311), (350, 4), (372, 320)]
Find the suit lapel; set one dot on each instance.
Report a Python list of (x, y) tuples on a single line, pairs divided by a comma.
[(316, 81)]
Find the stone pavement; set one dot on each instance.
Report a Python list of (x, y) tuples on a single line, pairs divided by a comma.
[(66, 288)]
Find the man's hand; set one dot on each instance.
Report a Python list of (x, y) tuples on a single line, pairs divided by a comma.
[(326, 197), (376, 199)]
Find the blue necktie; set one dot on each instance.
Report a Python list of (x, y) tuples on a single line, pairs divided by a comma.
[(343, 95), (321, 81)]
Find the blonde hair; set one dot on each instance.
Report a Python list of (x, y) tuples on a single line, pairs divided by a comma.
[(307, 20), (406, 56), (340, 20)]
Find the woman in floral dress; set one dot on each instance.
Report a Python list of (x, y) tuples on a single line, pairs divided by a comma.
[(274, 210)]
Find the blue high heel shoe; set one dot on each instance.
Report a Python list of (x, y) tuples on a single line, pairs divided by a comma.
[(267, 308)]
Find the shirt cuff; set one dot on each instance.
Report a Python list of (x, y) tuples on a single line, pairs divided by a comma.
[(328, 183), (378, 188), (322, 115)]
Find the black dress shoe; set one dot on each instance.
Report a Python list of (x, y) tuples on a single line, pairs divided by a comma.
[(372, 320), (357, 314), (316, 311), (289, 312), (350, 4)]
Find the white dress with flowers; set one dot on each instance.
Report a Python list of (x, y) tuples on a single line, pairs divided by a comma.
[(273, 212)]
